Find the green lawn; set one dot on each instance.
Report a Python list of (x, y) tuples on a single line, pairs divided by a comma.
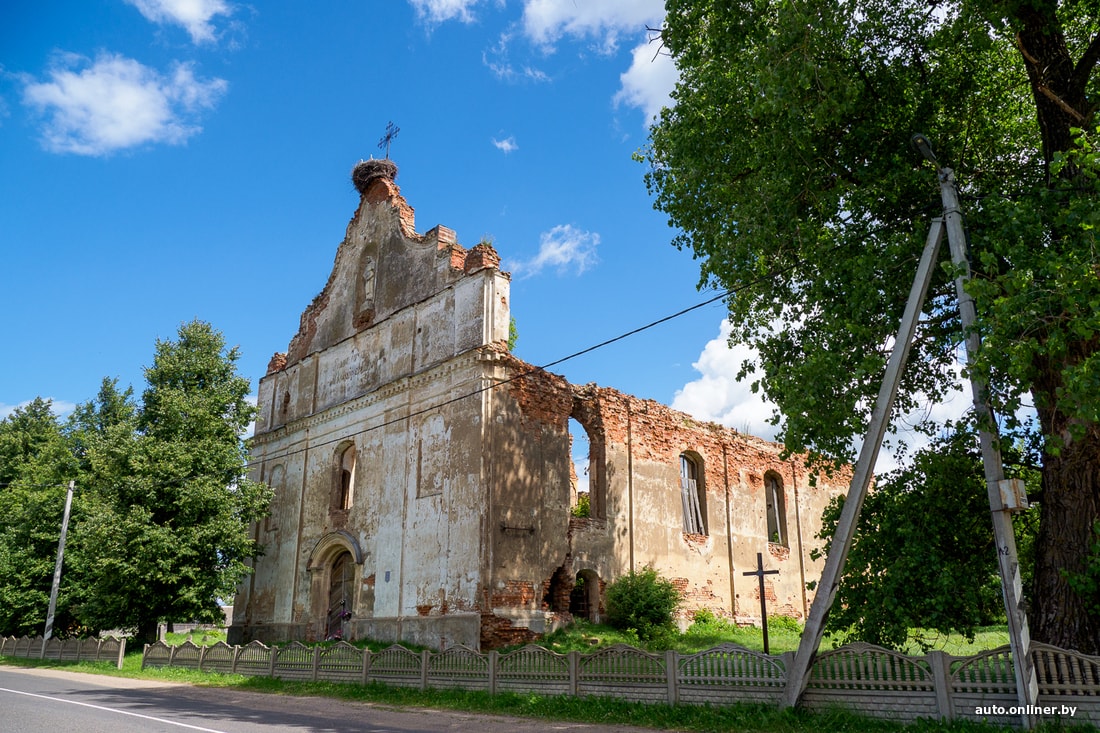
[(783, 636)]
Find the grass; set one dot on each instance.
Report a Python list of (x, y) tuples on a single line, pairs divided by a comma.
[(784, 635)]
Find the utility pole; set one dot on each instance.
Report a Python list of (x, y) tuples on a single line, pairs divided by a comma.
[(1005, 495), (57, 566)]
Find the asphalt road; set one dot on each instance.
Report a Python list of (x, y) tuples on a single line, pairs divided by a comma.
[(55, 701)]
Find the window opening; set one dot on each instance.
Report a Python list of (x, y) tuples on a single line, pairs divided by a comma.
[(580, 497), (347, 477), (777, 512), (692, 496)]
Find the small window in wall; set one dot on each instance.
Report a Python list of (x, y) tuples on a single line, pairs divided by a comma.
[(346, 479), (777, 509), (692, 494)]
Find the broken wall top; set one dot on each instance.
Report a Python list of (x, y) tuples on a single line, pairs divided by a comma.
[(382, 266)]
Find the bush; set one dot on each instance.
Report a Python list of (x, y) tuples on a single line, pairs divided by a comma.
[(644, 601)]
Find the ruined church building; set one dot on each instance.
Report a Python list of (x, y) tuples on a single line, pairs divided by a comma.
[(423, 477)]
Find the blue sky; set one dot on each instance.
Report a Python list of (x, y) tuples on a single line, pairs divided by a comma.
[(165, 160)]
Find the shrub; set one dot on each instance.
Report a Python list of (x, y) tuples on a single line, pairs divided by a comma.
[(644, 601), (583, 507)]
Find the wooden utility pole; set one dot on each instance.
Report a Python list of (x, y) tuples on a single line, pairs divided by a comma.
[(1005, 496)]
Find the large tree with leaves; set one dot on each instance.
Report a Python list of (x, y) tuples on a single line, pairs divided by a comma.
[(168, 512), (785, 163)]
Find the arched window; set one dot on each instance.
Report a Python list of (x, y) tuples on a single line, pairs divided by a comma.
[(587, 459), (693, 494), (345, 488), (776, 507)]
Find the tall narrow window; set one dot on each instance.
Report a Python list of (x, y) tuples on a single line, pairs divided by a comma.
[(777, 509), (693, 494), (587, 459), (347, 478)]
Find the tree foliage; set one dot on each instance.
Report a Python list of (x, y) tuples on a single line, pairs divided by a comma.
[(161, 516), (932, 514), (785, 163), (171, 528), (644, 601)]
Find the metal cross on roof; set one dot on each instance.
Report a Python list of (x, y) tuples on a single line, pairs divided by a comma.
[(391, 133)]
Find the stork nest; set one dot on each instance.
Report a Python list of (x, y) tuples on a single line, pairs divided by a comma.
[(367, 171)]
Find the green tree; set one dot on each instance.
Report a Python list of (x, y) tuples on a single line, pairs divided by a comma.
[(167, 530), (932, 514), (785, 163), (644, 601), (35, 468)]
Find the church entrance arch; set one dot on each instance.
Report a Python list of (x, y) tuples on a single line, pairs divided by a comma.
[(334, 565)]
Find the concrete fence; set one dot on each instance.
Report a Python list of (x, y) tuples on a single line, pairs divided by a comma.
[(110, 649), (863, 678)]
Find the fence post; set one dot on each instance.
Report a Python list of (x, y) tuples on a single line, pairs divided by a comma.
[(366, 665), (672, 667), (202, 656), (316, 662), (494, 659), (236, 656), (42, 652), (274, 655), (574, 673), (424, 655), (121, 651), (941, 676)]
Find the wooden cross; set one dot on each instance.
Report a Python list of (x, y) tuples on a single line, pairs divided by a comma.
[(391, 133), (760, 572)]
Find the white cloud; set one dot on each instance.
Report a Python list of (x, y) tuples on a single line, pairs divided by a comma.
[(545, 21), (564, 247), (497, 59), (60, 408), (118, 103), (717, 396), (193, 15), (649, 81), (438, 11), (506, 145)]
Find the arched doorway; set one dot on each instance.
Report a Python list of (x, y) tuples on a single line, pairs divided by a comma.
[(335, 565), (341, 579), (584, 600)]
